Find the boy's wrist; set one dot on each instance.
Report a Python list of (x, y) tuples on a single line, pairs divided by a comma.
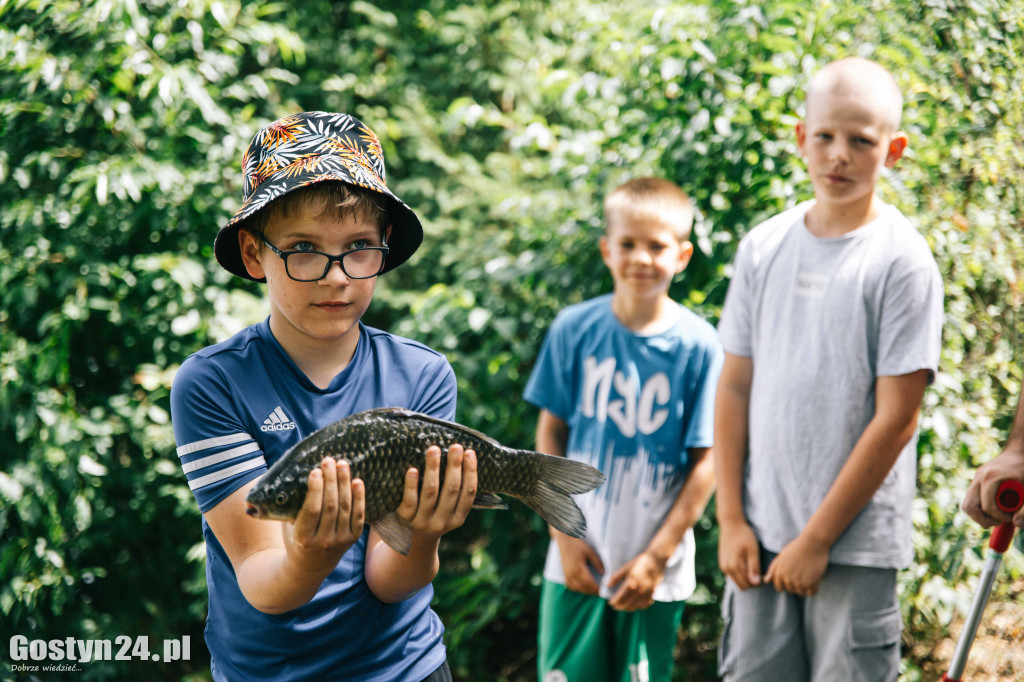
[(304, 566), (730, 518), (660, 552), (821, 538), (559, 536), (1014, 450)]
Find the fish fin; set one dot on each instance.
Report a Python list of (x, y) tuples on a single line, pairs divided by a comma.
[(486, 500), (557, 479), (557, 508), (394, 531), (402, 413), (567, 475)]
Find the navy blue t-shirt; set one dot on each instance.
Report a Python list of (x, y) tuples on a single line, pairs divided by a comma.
[(238, 406)]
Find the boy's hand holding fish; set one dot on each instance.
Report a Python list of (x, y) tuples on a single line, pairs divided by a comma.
[(330, 520), (442, 504), (333, 512), (439, 506)]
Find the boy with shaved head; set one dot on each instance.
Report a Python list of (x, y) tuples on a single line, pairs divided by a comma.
[(831, 328)]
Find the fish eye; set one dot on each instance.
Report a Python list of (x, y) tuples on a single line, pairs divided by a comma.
[(281, 498)]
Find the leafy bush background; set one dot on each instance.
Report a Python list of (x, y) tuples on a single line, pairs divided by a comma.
[(122, 123)]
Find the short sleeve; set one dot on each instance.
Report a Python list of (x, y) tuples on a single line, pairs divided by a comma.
[(216, 452), (700, 429), (735, 325), (910, 328), (438, 391), (552, 369)]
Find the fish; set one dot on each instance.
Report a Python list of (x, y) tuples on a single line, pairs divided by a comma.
[(381, 444)]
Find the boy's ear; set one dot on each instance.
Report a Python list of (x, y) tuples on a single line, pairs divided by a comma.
[(685, 254), (801, 136), (249, 248), (897, 145)]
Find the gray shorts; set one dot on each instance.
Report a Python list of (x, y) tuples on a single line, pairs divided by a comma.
[(848, 632)]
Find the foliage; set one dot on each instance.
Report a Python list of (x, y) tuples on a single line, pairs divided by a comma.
[(122, 123)]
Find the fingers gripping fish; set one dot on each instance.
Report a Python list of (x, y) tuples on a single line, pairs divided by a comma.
[(381, 445)]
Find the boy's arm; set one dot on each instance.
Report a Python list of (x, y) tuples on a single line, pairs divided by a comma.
[(641, 575), (980, 500), (435, 510), (737, 545), (578, 557), (279, 566), (800, 565)]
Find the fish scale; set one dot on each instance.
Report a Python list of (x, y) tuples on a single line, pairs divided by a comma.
[(381, 445)]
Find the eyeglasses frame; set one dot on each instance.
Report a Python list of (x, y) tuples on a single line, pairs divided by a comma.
[(283, 255)]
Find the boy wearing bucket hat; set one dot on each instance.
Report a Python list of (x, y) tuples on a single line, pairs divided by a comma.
[(322, 598)]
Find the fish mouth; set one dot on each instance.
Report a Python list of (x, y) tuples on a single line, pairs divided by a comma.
[(254, 511)]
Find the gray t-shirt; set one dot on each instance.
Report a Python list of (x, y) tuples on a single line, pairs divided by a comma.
[(821, 319)]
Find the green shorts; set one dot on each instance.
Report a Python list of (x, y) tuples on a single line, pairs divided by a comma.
[(582, 639)]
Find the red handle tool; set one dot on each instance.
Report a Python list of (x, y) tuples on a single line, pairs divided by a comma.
[(1009, 498)]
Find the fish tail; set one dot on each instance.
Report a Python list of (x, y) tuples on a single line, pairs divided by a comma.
[(557, 508), (558, 479), (568, 475)]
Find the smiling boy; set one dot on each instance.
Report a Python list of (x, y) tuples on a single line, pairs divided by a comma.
[(831, 328), (323, 598), (626, 382)]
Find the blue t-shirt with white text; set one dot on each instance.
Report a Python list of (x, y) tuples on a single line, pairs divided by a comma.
[(635, 405)]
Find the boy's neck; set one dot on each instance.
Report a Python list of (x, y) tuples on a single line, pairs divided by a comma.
[(645, 316), (826, 219), (320, 361)]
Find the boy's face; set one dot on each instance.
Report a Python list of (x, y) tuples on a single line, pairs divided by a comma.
[(643, 254), (325, 311), (846, 141)]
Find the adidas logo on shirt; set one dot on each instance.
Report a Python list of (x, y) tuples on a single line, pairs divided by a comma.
[(277, 421)]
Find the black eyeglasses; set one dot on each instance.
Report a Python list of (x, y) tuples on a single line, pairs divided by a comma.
[(312, 266)]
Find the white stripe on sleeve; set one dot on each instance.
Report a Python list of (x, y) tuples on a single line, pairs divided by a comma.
[(204, 462), (189, 448), (240, 468)]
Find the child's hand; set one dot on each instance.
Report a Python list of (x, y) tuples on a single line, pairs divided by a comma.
[(431, 510), (435, 509), (738, 555), (330, 520), (579, 560), (639, 577), (799, 567)]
